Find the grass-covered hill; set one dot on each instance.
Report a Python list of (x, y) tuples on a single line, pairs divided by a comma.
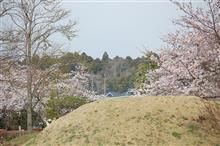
[(167, 121)]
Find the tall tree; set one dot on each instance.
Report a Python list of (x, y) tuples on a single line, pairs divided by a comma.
[(105, 57), (33, 22)]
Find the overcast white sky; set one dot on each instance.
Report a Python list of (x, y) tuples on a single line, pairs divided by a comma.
[(121, 28)]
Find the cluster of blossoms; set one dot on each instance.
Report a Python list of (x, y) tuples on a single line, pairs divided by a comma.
[(191, 63), (75, 83), (13, 91)]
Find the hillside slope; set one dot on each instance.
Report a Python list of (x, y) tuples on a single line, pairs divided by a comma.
[(130, 121)]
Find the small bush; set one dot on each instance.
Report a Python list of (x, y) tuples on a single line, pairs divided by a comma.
[(57, 107)]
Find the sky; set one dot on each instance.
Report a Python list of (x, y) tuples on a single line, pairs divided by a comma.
[(123, 28)]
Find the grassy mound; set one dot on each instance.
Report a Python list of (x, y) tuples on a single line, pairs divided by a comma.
[(131, 121)]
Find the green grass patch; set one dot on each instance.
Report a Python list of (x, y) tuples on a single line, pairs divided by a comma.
[(177, 135), (192, 128)]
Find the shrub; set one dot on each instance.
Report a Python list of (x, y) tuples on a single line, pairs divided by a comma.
[(57, 107)]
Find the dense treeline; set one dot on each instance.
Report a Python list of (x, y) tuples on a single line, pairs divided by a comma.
[(118, 74)]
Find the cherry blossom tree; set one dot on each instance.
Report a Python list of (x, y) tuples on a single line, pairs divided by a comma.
[(33, 22), (13, 90), (191, 63)]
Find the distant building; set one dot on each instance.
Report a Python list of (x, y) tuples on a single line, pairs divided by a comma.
[(130, 92), (112, 94)]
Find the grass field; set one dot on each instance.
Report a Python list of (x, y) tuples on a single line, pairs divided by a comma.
[(150, 121), (20, 140)]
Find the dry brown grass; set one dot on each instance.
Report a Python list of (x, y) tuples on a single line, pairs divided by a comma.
[(210, 116), (156, 121)]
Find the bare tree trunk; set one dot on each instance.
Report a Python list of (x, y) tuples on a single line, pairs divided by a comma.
[(29, 100), (29, 83)]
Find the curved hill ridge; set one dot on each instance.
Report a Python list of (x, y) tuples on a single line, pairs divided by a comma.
[(130, 121)]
